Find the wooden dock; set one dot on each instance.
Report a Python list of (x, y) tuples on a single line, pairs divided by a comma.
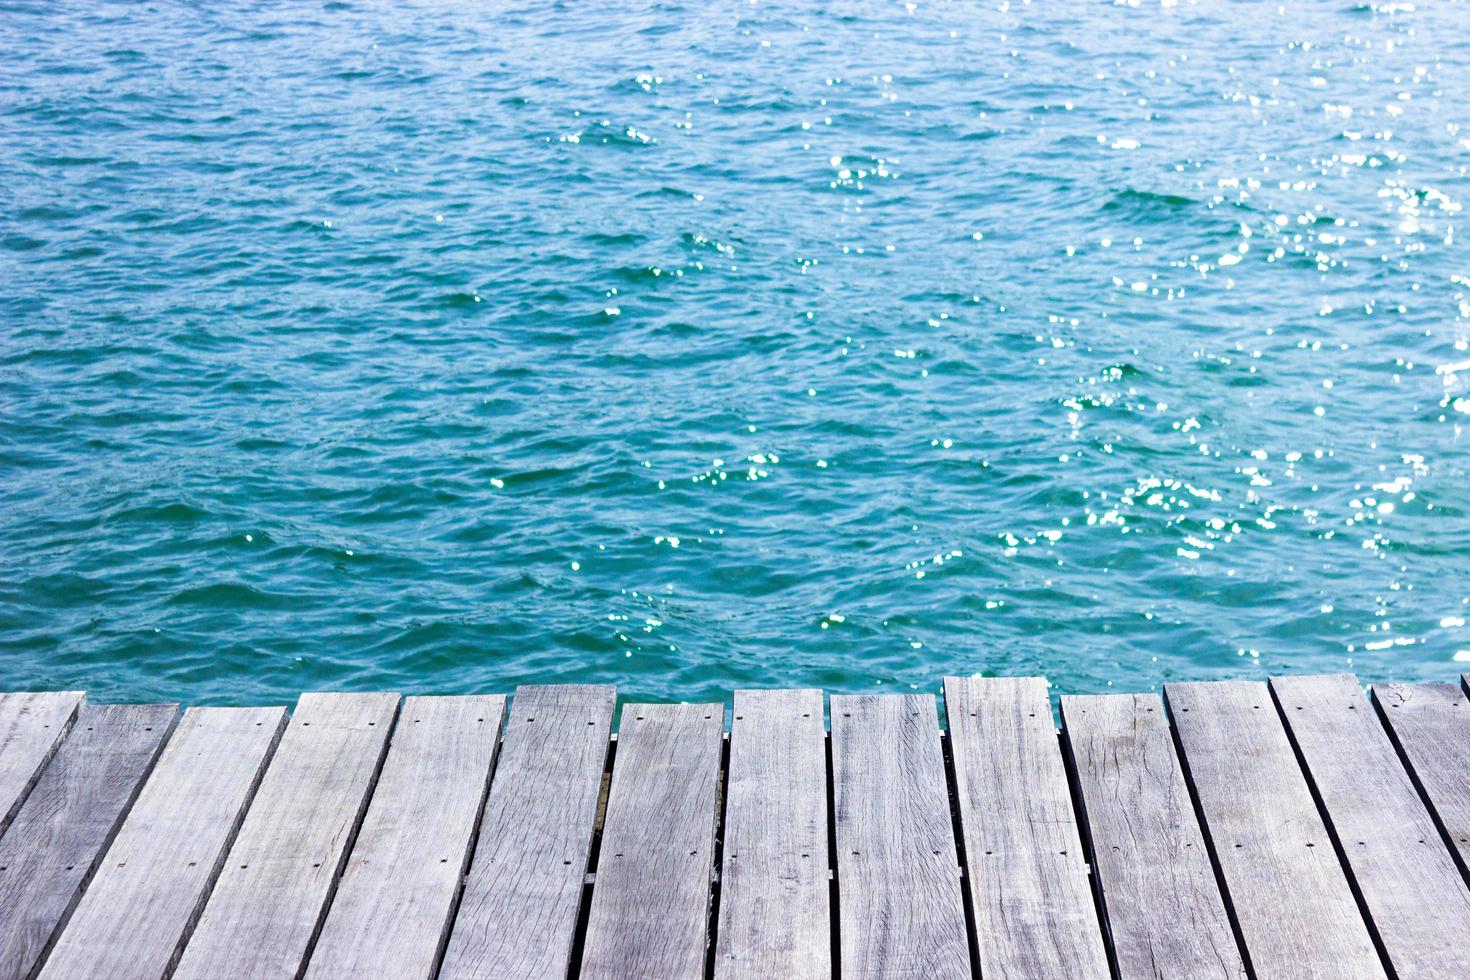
[(1228, 829)]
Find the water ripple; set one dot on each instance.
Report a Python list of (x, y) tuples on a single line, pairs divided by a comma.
[(423, 346)]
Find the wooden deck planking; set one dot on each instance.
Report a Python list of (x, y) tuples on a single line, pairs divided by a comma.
[(1034, 911), (1413, 891), (1165, 914), (1430, 724), (518, 916), (900, 907), (68, 820), (147, 894), (1293, 903), (650, 905), (1391, 787), (775, 908), (392, 909), (32, 725), (268, 903)]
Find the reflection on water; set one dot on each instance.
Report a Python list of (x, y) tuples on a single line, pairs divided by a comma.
[(448, 346)]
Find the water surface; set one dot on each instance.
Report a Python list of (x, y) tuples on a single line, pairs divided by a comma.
[(448, 346)]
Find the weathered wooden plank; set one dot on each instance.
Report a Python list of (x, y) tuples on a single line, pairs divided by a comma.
[(775, 915), (1430, 724), (518, 916), (1161, 901), (1034, 910), (150, 888), (68, 820), (1291, 898), (268, 902), (1409, 882), (32, 725), (650, 906), (391, 912), (900, 908)]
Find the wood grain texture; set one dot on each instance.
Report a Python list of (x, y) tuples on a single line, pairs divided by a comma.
[(1034, 911), (900, 907), (1430, 724), (1161, 901), (149, 890), (391, 913), (32, 725), (1409, 882), (775, 915), (518, 915), (1291, 897), (650, 906), (68, 820), (267, 905)]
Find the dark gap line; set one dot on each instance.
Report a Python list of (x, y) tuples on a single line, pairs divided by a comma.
[(1332, 835), (1089, 852), (91, 871), (833, 891), (341, 869), (713, 928), (223, 857), (1444, 832), (967, 880), (25, 792), (473, 846), (594, 852), (1204, 827)]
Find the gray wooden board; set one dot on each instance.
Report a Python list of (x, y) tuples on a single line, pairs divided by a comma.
[(1291, 897), (518, 915), (391, 911), (268, 903), (68, 820), (31, 726), (1430, 723), (650, 905), (775, 917), (900, 907), (1034, 911), (1163, 906), (1409, 882), (148, 891)]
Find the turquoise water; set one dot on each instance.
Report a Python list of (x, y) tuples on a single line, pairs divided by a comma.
[(446, 346)]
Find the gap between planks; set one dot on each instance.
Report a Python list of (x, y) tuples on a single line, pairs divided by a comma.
[(719, 904)]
